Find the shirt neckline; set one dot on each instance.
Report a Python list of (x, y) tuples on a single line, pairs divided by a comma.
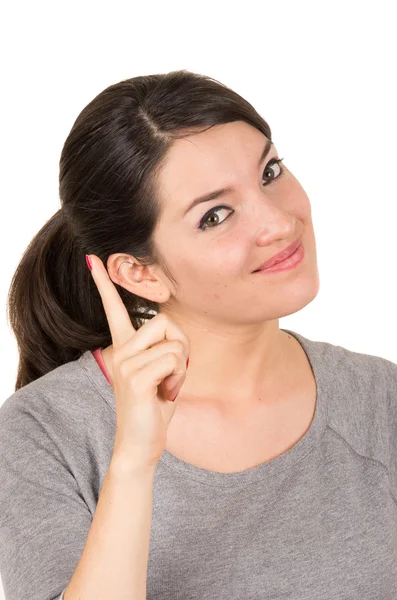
[(269, 469)]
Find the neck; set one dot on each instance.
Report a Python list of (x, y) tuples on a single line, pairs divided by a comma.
[(232, 371)]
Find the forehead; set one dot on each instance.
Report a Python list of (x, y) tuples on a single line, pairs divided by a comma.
[(200, 162)]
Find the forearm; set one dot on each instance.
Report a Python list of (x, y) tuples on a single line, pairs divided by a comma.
[(114, 561)]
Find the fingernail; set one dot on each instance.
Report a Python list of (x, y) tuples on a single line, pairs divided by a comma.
[(88, 261)]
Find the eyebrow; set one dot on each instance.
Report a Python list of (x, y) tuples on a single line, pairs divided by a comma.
[(227, 190)]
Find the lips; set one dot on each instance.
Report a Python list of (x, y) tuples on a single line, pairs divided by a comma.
[(277, 258)]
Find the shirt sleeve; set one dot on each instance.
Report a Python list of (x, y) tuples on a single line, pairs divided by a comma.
[(44, 520)]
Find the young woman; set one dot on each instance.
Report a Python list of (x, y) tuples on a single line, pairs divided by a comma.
[(166, 439)]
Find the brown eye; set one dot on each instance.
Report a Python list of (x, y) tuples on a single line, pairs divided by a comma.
[(203, 225), (269, 172)]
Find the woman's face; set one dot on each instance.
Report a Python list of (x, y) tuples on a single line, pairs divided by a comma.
[(263, 213)]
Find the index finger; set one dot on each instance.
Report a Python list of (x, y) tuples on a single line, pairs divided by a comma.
[(120, 324)]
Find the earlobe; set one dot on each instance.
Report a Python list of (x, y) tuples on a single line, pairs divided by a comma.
[(156, 292)]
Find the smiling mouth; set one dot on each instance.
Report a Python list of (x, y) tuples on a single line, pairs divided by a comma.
[(290, 262), (282, 256)]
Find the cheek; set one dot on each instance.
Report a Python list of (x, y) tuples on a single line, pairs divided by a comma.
[(229, 256), (300, 198), (212, 262)]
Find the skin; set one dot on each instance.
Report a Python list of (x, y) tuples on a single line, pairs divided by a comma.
[(239, 358)]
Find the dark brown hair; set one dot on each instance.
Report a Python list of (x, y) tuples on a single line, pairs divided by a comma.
[(107, 185)]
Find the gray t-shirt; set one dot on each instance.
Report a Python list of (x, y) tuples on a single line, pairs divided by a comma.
[(318, 521)]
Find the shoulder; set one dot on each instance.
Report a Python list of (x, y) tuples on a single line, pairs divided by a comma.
[(57, 432), (362, 402), (362, 373), (63, 403), (359, 393), (348, 369)]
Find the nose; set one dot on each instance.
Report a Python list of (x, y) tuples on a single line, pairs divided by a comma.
[(272, 221)]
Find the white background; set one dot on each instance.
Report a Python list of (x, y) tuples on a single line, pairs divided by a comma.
[(323, 74)]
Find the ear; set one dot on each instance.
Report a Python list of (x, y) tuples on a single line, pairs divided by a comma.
[(147, 282)]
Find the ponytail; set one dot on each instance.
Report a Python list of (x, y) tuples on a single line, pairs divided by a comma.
[(50, 303)]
